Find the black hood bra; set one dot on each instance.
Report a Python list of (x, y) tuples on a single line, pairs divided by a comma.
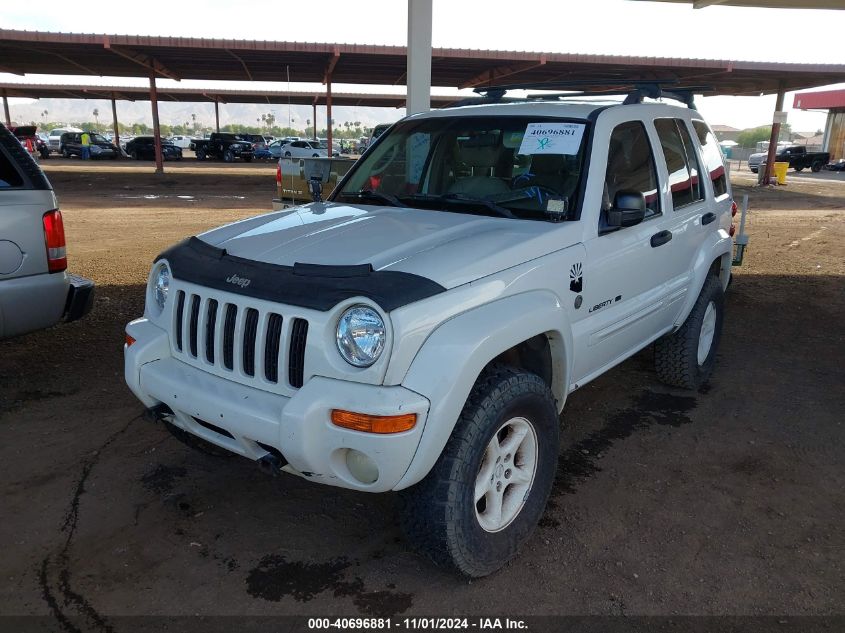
[(313, 286)]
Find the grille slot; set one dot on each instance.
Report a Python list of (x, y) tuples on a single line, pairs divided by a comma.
[(272, 347), (192, 331), (210, 329), (296, 359), (180, 316), (250, 330), (229, 336)]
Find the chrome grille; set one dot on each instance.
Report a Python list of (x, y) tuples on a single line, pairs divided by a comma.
[(241, 340)]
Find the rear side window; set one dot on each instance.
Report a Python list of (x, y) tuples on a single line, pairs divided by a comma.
[(9, 175), (712, 156), (681, 162), (630, 166)]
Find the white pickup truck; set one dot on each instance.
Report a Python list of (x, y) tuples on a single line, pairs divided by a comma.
[(421, 329)]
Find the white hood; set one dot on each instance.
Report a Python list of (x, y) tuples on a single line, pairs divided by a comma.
[(449, 248)]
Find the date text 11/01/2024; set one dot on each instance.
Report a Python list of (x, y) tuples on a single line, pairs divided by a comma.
[(419, 623)]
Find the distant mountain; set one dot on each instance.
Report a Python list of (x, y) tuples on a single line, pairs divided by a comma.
[(128, 112)]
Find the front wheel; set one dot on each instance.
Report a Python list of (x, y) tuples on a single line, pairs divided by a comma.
[(486, 493), (228, 156), (200, 154), (686, 357)]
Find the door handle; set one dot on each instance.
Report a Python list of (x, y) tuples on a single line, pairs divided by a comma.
[(658, 239), (707, 218)]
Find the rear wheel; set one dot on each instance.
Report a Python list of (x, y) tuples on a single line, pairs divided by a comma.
[(133, 154), (489, 487), (816, 166), (686, 357), (200, 154), (247, 159), (287, 154), (65, 152)]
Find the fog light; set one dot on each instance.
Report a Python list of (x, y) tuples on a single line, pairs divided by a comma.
[(362, 467)]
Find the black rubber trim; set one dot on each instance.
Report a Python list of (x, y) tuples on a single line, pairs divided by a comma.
[(306, 285)]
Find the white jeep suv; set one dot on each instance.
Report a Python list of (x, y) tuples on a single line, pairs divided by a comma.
[(421, 329)]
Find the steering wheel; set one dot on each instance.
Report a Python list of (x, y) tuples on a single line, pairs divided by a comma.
[(537, 191)]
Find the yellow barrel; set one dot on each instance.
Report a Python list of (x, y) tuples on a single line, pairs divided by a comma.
[(780, 172)]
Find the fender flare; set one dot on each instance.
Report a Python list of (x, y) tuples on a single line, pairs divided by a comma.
[(473, 339), (710, 251)]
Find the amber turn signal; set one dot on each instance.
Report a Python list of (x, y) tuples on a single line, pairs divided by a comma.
[(129, 341), (374, 423)]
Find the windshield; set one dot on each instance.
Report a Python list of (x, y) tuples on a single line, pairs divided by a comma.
[(513, 166), (97, 138)]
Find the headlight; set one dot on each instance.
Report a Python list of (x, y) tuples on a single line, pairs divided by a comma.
[(360, 336), (161, 285)]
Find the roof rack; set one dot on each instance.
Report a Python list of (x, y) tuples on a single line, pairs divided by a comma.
[(634, 91)]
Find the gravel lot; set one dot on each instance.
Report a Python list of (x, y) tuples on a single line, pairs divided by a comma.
[(726, 501)]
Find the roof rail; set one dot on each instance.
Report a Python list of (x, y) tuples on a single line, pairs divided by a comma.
[(633, 90)]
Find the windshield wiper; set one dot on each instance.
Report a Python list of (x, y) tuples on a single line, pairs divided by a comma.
[(459, 197), (369, 194)]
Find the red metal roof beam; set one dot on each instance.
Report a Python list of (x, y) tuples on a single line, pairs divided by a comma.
[(243, 63), (141, 59), (488, 76)]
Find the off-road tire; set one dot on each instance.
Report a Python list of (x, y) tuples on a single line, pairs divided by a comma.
[(65, 153), (438, 515), (196, 443), (228, 156), (133, 155), (200, 153), (676, 354), (816, 166)]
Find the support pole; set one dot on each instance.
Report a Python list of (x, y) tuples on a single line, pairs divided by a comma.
[(329, 113), (773, 140), (6, 109), (156, 128), (114, 124), (419, 56), (314, 118), (217, 116)]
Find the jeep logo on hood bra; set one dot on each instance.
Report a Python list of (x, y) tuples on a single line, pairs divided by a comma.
[(243, 282)]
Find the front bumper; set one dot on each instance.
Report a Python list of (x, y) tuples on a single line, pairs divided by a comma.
[(251, 420)]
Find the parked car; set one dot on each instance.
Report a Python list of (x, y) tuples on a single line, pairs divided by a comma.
[(225, 146), (421, 329), (27, 132), (378, 130), (796, 155), (55, 137), (258, 141), (143, 148), (182, 142), (838, 165), (71, 145), (337, 150), (36, 291), (303, 149)]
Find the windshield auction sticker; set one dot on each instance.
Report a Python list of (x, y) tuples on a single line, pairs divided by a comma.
[(552, 138)]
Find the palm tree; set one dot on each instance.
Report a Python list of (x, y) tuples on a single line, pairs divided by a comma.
[(194, 119), (97, 119)]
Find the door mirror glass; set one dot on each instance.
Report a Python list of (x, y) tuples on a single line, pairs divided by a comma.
[(628, 209)]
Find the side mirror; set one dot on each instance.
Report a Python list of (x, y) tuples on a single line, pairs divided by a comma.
[(628, 209)]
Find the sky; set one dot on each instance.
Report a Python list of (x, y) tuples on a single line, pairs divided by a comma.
[(615, 27)]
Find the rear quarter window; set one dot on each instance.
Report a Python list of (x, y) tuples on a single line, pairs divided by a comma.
[(17, 167), (9, 175), (712, 156)]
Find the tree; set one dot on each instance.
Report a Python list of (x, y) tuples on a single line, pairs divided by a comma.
[(97, 119), (750, 137)]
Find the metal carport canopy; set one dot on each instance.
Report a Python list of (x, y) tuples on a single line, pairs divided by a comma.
[(210, 95), (762, 4), (25, 52)]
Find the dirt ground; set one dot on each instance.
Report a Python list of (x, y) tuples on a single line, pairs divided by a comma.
[(726, 501)]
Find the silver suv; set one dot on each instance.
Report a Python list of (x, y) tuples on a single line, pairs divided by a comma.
[(36, 290)]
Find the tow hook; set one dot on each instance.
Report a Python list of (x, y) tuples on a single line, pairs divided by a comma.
[(157, 413), (272, 464)]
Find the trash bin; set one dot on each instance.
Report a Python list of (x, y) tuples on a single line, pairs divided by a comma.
[(780, 172)]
